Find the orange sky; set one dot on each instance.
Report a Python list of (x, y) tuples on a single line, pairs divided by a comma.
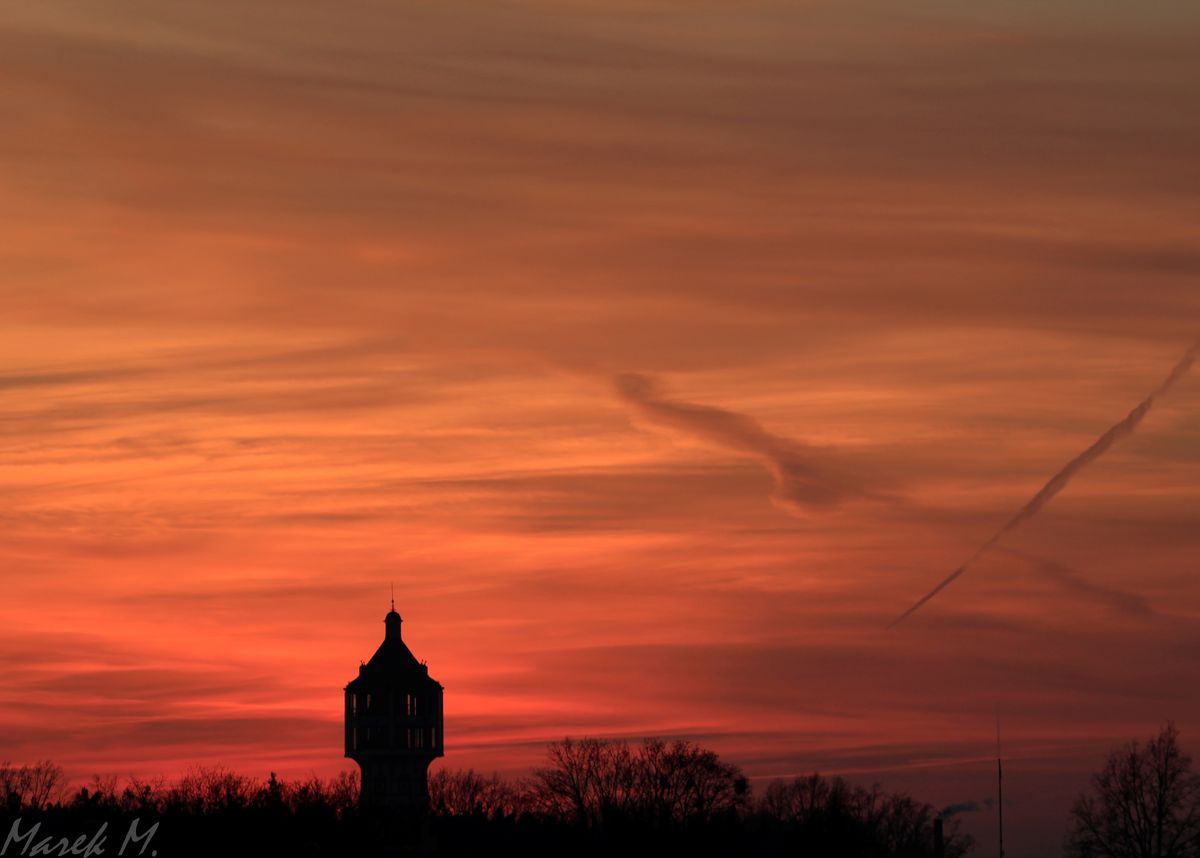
[(298, 299)]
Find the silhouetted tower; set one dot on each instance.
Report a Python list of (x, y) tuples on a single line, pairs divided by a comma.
[(394, 724)]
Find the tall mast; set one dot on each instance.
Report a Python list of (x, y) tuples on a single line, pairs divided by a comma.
[(999, 787)]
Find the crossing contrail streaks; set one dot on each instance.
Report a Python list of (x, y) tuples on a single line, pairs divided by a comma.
[(1060, 480)]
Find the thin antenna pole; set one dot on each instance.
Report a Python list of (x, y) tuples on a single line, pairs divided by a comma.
[(999, 786)]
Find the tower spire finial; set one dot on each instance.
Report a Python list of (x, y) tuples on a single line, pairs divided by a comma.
[(393, 595)]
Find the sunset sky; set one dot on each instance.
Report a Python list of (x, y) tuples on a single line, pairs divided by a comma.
[(659, 352)]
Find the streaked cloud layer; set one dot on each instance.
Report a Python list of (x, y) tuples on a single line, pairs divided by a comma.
[(299, 299)]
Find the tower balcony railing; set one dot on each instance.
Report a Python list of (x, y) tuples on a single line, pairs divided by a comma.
[(418, 741)]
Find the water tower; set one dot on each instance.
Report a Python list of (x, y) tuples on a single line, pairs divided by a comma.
[(394, 724)]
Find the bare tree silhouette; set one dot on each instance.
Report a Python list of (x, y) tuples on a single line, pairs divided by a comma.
[(34, 786), (1144, 803), (594, 798), (658, 783), (454, 792), (829, 816)]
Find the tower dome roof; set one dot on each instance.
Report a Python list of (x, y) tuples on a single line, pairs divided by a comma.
[(393, 660)]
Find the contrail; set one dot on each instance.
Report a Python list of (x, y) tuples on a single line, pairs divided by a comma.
[(1129, 604), (800, 483), (1059, 481)]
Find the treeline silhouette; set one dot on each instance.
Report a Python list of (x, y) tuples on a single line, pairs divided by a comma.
[(593, 797)]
